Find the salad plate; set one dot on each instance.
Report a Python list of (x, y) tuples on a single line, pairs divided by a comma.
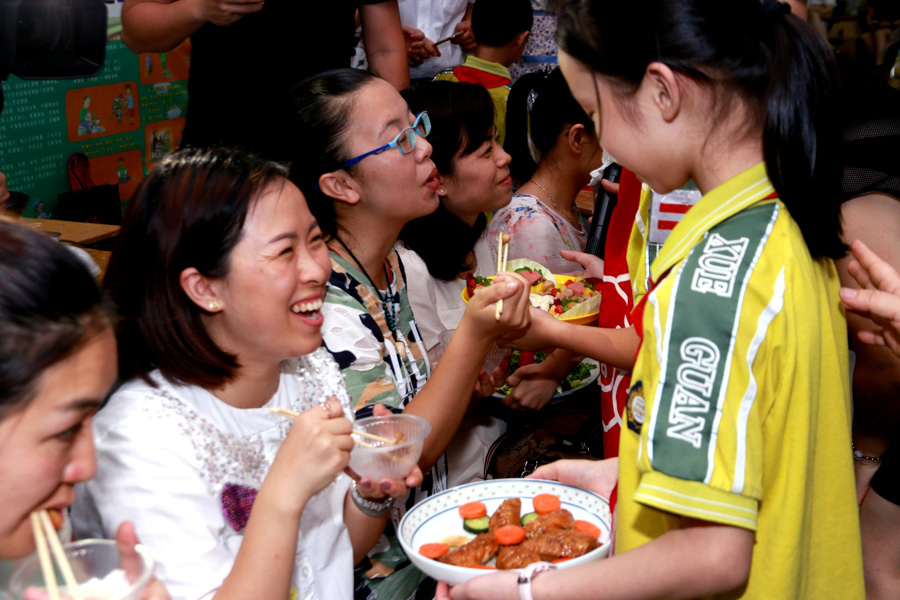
[(585, 373)]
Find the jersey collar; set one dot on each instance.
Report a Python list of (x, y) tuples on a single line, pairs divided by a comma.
[(726, 200)]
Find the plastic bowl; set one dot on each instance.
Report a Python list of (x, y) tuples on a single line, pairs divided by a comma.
[(90, 559), (589, 319), (383, 460)]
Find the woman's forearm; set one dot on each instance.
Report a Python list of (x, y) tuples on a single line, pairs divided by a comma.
[(152, 26), (364, 530), (385, 45)]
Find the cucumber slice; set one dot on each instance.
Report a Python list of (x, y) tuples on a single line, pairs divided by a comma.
[(529, 517), (479, 525)]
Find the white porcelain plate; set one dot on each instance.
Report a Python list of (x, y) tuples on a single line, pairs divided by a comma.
[(436, 518)]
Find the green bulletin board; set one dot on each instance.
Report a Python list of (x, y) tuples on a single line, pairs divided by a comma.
[(125, 119)]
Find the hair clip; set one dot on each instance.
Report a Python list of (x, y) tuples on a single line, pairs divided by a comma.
[(532, 98)]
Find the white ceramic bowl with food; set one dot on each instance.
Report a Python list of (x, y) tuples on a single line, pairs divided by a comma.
[(437, 518), (388, 459), (95, 564)]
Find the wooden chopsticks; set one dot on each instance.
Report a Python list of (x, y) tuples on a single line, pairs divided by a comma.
[(292, 414), (502, 253), (44, 534)]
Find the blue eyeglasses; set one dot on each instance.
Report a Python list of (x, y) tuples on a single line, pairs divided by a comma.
[(405, 141)]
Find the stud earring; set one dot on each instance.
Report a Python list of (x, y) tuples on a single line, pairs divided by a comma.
[(442, 192), (213, 305)]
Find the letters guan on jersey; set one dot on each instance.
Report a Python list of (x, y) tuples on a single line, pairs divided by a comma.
[(709, 291)]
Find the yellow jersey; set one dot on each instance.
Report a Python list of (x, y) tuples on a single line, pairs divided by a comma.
[(739, 411)]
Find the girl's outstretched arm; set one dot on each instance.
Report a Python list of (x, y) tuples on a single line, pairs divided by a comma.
[(699, 559), (615, 347)]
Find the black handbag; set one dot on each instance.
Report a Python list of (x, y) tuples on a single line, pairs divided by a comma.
[(565, 429)]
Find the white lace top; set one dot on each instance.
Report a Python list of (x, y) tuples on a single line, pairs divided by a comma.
[(185, 467)]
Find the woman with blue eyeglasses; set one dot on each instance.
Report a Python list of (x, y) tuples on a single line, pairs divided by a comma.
[(365, 166)]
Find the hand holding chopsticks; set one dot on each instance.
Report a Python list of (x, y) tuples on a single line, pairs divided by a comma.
[(449, 38), (44, 534), (292, 414), (502, 254)]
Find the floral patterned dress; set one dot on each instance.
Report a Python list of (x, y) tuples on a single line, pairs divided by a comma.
[(536, 232)]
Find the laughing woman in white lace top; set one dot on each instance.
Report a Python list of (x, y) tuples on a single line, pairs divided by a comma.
[(219, 276)]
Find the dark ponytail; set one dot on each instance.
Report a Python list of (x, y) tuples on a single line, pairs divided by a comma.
[(749, 51), (539, 108), (322, 105), (801, 135)]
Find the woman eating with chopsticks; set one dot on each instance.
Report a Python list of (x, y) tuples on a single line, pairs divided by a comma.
[(364, 163), (219, 275), (57, 364)]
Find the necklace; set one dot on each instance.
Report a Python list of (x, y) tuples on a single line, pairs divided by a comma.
[(390, 311), (565, 215)]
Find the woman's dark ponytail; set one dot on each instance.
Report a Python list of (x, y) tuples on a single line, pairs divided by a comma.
[(539, 108), (744, 49), (524, 162)]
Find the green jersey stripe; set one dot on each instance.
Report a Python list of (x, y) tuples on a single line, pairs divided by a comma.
[(734, 332), (709, 292)]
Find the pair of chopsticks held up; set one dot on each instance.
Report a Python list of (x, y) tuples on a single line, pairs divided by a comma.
[(44, 534), (502, 253), (292, 414)]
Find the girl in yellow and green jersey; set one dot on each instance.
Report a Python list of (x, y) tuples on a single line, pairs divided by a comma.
[(735, 476)]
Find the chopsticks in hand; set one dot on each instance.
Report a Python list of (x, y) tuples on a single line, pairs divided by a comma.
[(448, 38), (44, 533), (502, 253), (292, 414)]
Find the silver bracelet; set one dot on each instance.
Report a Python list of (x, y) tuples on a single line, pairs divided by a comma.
[(866, 460), (373, 508)]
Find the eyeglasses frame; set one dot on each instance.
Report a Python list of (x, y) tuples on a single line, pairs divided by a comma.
[(395, 143)]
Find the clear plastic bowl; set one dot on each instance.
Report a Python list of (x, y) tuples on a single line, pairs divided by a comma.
[(383, 460), (90, 559)]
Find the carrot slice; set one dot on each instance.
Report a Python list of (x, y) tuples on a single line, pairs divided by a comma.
[(545, 503), (588, 528), (472, 510), (561, 560), (509, 535), (434, 550), (485, 567)]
